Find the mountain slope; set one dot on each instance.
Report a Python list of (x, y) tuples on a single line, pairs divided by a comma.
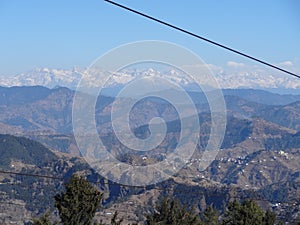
[(37, 109), (262, 96), (287, 115), (24, 150)]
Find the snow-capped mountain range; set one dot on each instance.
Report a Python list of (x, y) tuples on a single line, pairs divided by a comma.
[(261, 79), (44, 77)]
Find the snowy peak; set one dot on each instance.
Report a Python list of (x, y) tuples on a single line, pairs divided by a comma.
[(44, 77), (242, 78)]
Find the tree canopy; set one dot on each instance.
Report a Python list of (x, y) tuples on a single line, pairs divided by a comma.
[(80, 200), (79, 203), (170, 211)]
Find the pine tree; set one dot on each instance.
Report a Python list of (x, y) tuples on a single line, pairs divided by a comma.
[(269, 218), (78, 204), (233, 214), (210, 216), (43, 220), (247, 213), (171, 212)]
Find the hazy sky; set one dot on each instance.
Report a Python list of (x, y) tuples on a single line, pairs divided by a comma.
[(64, 33)]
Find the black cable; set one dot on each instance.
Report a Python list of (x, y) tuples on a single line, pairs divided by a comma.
[(154, 187), (203, 38), (257, 198)]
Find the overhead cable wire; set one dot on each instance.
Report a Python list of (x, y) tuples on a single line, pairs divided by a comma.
[(203, 38), (257, 198), (30, 175)]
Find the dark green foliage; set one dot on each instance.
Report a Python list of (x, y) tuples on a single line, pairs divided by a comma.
[(210, 216), (247, 213), (78, 204), (191, 195), (171, 212), (269, 218), (233, 215), (168, 212), (43, 220)]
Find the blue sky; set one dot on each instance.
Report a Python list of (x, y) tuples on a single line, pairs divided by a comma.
[(65, 33)]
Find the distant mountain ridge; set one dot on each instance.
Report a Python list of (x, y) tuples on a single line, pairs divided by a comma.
[(49, 110), (228, 80), (44, 77)]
